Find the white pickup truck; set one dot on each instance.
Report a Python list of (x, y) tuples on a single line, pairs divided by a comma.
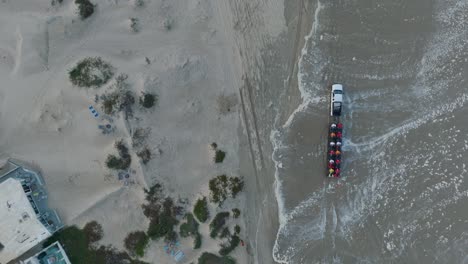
[(336, 102)]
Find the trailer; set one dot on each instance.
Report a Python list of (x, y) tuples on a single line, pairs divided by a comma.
[(335, 133)]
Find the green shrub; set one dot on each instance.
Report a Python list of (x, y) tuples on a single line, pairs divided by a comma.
[(218, 189), (237, 229), (136, 242), (197, 241), (116, 163), (79, 250), (148, 100), (91, 72), (236, 185), (93, 231), (109, 104), (144, 155), (236, 212), (122, 162), (201, 211), (162, 224), (85, 8), (230, 246), (222, 187), (218, 223), (225, 233), (219, 156), (190, 227), (75, 241), (170, 237), (209, 258)]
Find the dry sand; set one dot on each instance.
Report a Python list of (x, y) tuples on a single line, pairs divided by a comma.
[(199, 70)]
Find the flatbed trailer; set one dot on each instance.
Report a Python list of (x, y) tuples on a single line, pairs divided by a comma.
[(335, 133)]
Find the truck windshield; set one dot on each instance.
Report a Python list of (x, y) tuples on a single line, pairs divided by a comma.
[(338, 92)]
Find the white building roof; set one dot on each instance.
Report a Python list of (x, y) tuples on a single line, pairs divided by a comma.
[(20, 229)]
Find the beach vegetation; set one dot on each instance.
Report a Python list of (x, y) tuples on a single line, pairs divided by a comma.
[(236, 212), (120, 99), (139, 136), (225, 232), (210, 258), (148, 100), (91, 72), (93, 231), (81, 251), (229, 246), (200, 210), (121, 162), (162, 221), (197, 241), (222, 187), (134, 24), (85, 8), (237, 229), (136, 242), (218, 223), (236, 184), (139, 3), (190, 227), (219, 156), (144, 155), (168, 24)]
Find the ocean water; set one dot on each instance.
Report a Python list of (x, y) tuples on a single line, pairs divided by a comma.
[(403, 193)]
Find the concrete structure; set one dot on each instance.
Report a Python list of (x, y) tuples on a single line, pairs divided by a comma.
[(53, 254), (20, 229), (25, 219)]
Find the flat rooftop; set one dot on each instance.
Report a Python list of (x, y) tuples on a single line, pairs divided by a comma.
[(25, 219), (53, 254), (20, 229)]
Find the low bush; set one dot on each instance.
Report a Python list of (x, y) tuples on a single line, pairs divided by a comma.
[(222, 187), (123, 161), (93, 231), (189, 228), (85, 8), (210, 258), (236, 185), (136, 242), (219, 156), (109, 103), (230, 246), (163, 222), (201, 211), (91, 72), (218, 189), (148, 100), (225, 233), (76, 242), (237, 229), (197, 241), (218, 223), (144, 155), (134, 24), (236, 212)]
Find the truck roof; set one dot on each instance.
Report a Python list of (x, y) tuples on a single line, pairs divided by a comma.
[(338, 98), (337, 86)]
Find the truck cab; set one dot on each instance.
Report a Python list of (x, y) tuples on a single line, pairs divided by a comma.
[(336, 102)]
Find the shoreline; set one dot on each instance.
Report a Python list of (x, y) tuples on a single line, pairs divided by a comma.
[(264, 220)]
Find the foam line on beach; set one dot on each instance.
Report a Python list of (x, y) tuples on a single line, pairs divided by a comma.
[(307, 98)]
